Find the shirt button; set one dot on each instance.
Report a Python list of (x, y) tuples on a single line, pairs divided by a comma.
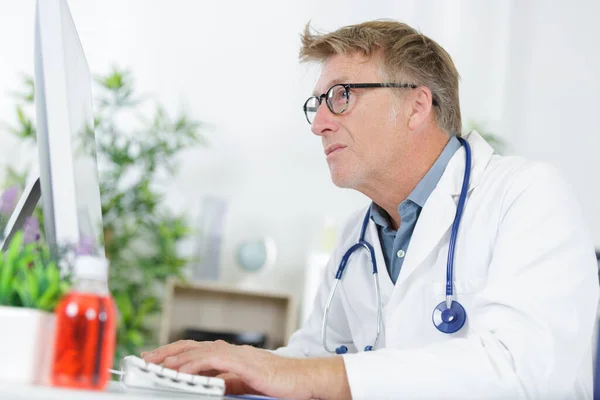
[(400, 253)]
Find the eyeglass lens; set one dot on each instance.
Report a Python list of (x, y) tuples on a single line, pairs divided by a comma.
[(336, 98)]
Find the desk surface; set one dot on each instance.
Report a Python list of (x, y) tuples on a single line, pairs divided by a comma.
[(114, 391)]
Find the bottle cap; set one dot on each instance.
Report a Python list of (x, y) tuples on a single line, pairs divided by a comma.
[(91, 267)]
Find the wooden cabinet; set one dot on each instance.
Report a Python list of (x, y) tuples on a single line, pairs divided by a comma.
[(214, 306)]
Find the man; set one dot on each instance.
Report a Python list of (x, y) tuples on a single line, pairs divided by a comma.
[(386, 109)]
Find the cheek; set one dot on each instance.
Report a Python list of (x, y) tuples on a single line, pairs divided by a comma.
[(373, 133), (379, 139)]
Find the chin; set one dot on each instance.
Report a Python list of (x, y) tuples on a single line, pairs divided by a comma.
[(339, 183), (342, 179)]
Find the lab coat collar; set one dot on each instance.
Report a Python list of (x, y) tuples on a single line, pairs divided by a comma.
[(438, 213), (481, 154)]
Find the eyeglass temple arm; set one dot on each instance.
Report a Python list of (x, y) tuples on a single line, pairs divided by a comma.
[(392, 85)]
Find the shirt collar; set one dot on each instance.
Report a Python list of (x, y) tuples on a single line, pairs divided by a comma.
[(379, 216), (425, 187), (421, 192)]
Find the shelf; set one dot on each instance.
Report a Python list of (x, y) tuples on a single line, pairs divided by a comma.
[(216, 306)]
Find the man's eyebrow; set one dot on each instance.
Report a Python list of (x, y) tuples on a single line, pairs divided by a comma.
[(343, 79)]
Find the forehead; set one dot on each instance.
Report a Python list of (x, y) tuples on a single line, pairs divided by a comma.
[(352, 68)]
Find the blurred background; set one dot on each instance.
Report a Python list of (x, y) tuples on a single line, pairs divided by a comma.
[(258, 196)]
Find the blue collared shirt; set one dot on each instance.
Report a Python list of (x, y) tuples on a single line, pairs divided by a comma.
[(394, 244)]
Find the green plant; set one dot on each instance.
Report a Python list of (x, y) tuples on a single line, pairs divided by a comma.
[(29, 277), (141, 234)]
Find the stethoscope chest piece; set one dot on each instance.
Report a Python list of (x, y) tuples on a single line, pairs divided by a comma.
[(449, 320)]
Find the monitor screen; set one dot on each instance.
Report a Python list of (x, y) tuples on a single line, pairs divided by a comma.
[(65, 125)]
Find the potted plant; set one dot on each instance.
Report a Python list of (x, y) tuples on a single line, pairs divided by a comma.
[(31, 286)]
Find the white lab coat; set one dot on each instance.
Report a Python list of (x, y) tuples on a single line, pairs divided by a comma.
[(525, 271)]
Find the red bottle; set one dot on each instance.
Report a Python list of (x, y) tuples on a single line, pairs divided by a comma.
[(84, 345)]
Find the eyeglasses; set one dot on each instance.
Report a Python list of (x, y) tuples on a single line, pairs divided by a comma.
[(337, 97)]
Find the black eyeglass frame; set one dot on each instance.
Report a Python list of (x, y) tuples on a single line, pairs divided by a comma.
[(348, 86)]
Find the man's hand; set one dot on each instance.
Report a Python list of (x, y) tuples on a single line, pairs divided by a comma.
[(248, 370)]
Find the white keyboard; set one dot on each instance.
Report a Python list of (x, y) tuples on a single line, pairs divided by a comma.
[(135, 372)]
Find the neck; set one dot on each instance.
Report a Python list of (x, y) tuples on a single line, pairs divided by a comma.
[(393, 183)]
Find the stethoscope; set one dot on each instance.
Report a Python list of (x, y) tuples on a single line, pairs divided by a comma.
[(449, 316)]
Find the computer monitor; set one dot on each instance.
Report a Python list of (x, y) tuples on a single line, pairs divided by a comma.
[(68, 172)]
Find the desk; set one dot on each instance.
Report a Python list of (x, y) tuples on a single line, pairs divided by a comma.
[(114, 391)]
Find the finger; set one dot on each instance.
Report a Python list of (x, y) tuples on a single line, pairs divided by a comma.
[(158, 355), (200, 364), (199, 350)]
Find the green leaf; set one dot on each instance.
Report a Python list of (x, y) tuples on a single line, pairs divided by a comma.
[(28, 95), (124, 305), (32, 287), (26, 129), (48, 300), (28, 289), (113, 81), (53, 291), (9, 268), (149, 306), (135, 337)]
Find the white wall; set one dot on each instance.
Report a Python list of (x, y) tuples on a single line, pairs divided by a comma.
[(530, 71), (552, 109)]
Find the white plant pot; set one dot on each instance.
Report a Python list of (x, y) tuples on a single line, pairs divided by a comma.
[(26, 343)]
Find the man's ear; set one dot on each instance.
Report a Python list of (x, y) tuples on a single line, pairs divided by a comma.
[(420, 108)]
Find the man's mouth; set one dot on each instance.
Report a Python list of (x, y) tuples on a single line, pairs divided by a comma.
[(333, 148)]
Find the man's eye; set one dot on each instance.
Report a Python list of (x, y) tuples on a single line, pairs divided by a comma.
[(342, 95)]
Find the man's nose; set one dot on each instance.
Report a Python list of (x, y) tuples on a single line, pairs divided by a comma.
[(324, 120)]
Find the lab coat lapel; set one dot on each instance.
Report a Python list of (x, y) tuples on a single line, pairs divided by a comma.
[(435, 220), (437, 215)]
